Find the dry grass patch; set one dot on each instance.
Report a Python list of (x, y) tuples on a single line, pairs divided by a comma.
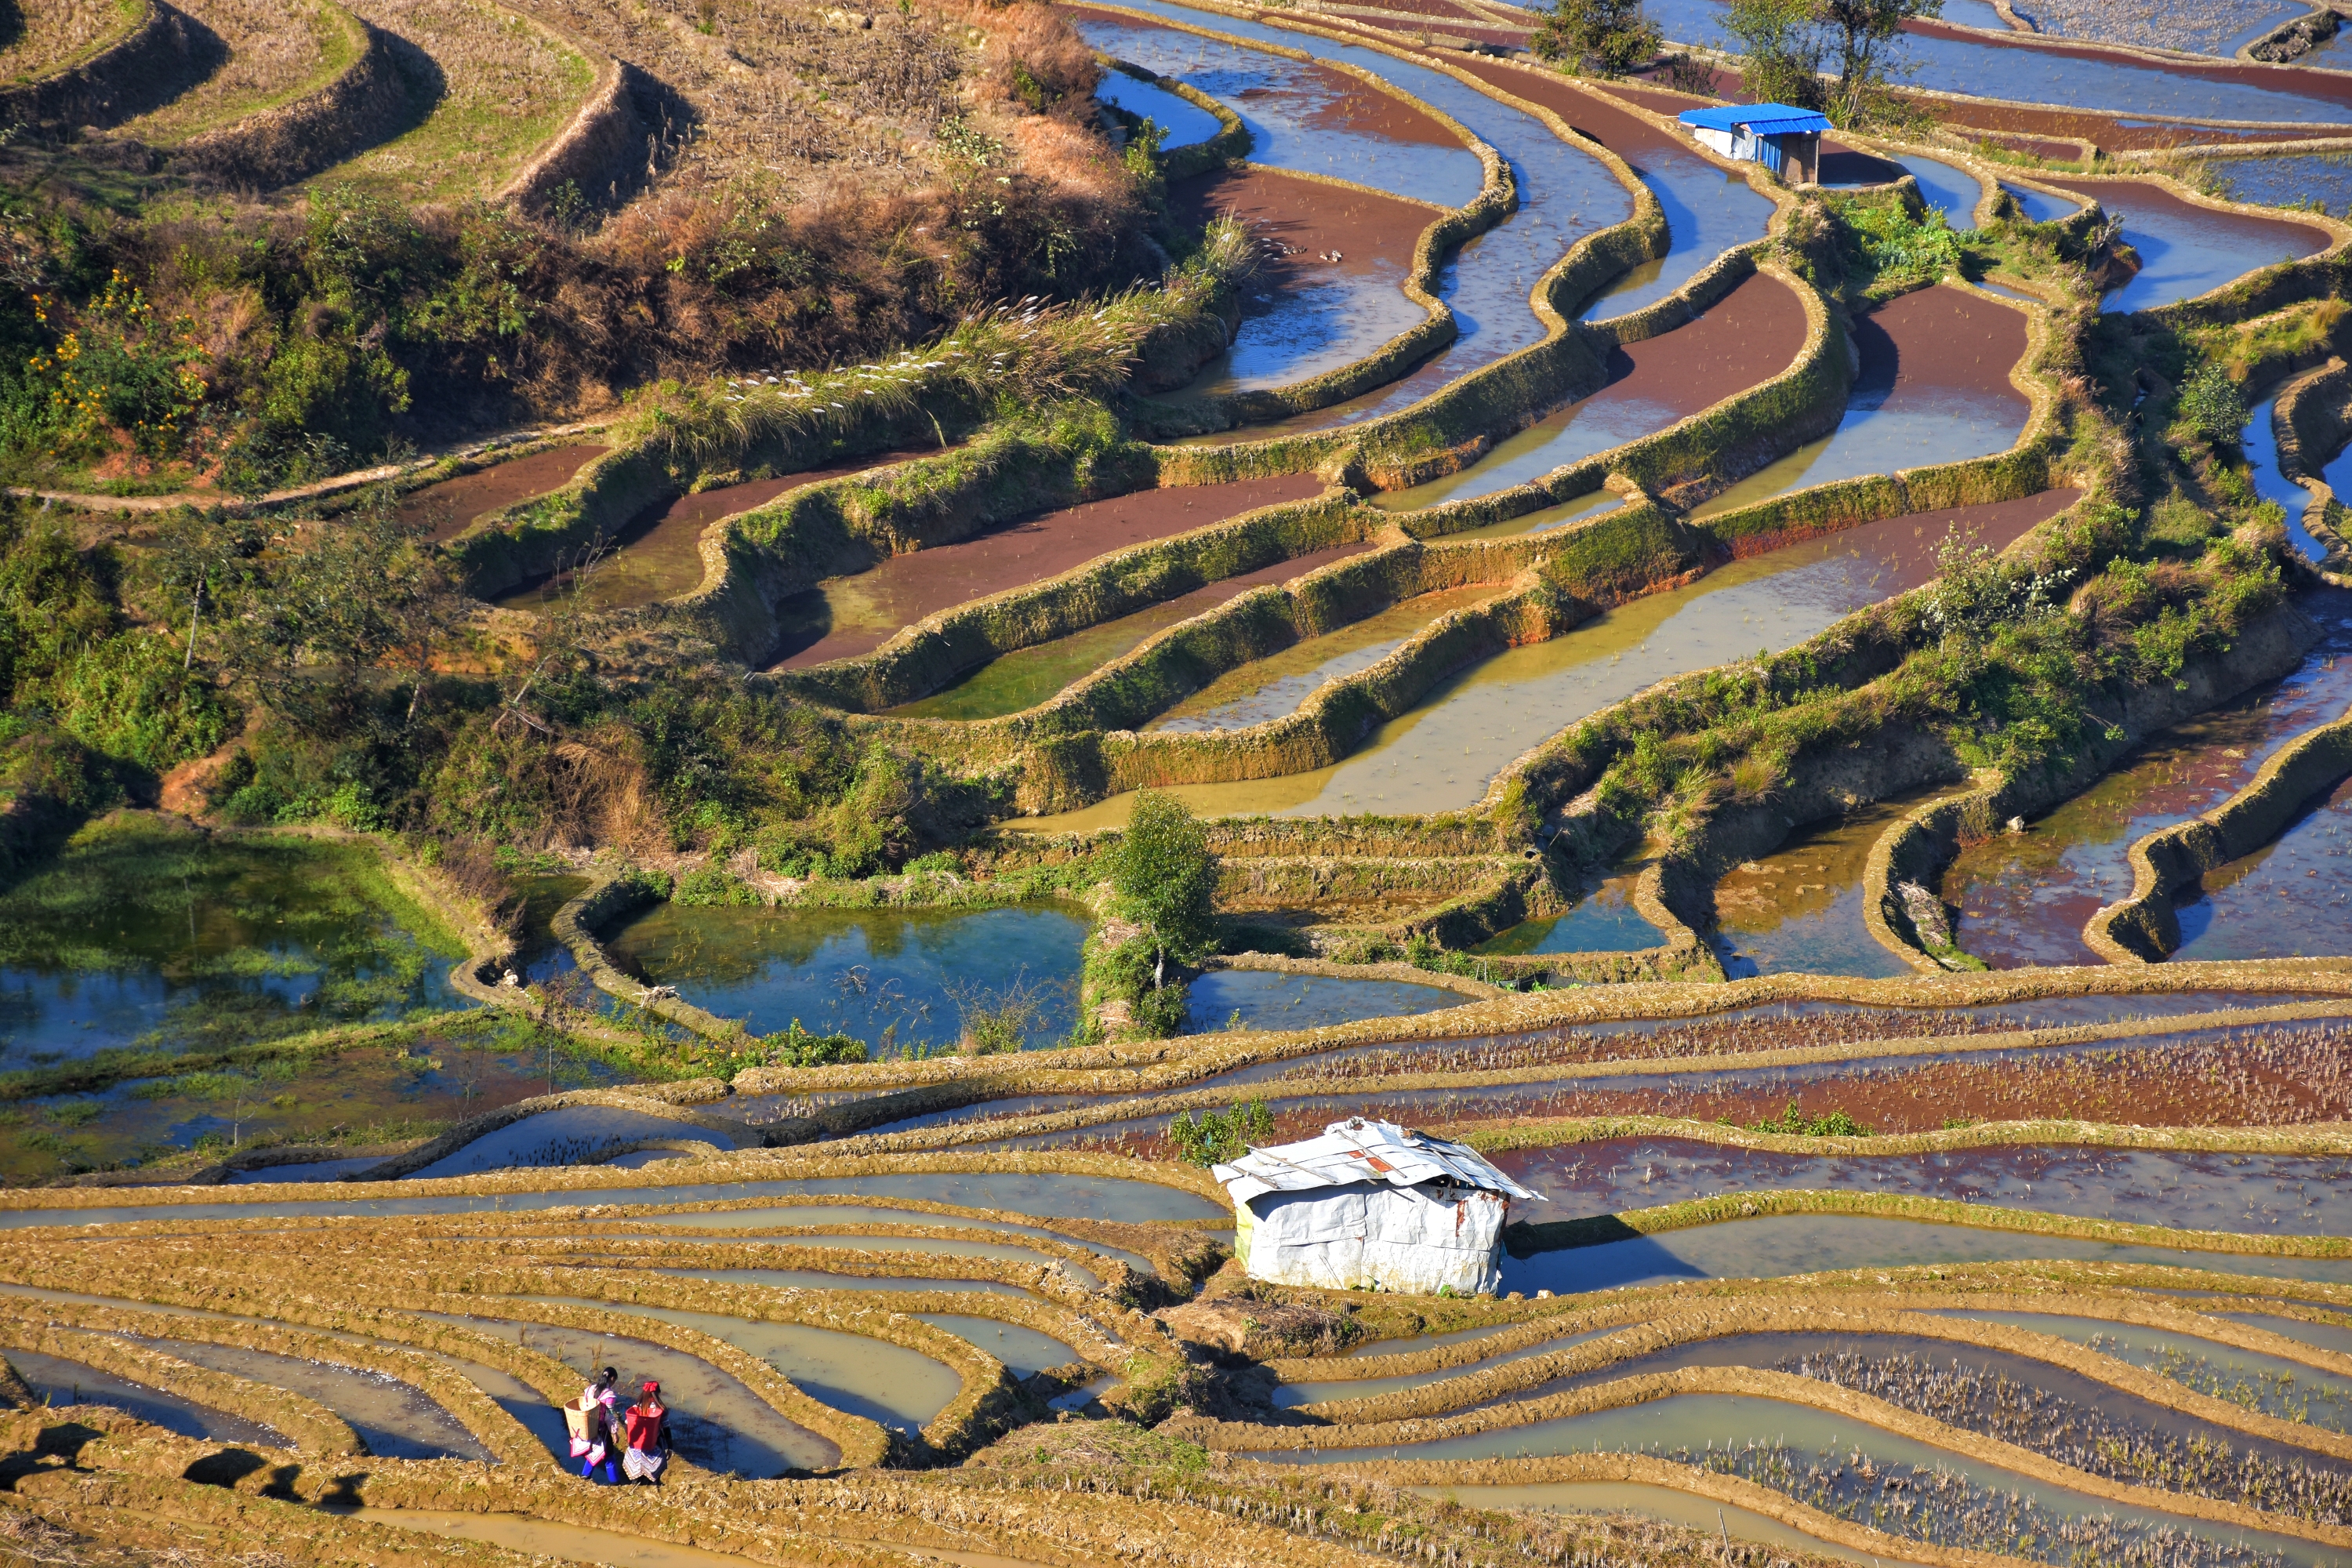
[(785, 103), (506, 87), (277, 50), (42, 37)]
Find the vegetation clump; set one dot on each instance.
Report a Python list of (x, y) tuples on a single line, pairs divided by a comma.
[(1217, 1136)]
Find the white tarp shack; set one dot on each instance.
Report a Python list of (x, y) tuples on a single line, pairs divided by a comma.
[(1371, 1205)]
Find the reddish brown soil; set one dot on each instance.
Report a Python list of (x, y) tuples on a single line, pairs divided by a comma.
[(1587, 113), (2262, 236), (447, 508), (1750, 335), (1373, 236), (906, 588), (1944, 339)]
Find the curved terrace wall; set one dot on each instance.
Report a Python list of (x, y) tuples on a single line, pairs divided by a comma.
[(288, 142), (136, 72)]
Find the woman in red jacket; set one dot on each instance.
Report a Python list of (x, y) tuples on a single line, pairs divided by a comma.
[(648, 1423)]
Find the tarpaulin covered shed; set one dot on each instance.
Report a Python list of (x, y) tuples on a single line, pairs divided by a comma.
[(1371, 1204), (1785, 139)]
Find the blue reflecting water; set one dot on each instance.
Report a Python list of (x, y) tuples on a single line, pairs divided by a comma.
[(2185, 251), (1564, 193), (1187, 124), (2322, 177), (573, 1135), (1947, 187), (2272, 485), (1603, 920), (1266, 1000), (1707, 211), (1804, 1244), (2040, 206), (2022, 73), (891, 978)]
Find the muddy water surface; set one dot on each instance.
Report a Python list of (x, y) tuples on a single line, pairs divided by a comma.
[(1022, 1350), (1290, 1396), (657, 554), (1749, 336), (1442, 755), (1564, 193), (716, 1420), (2276, 1195), (2024, 899), (1794, 1447), (2291, 898), (814, 1280), (2185, 249), (1799, 909), (847, 616), (62, 1384), (1028, 676), (893, 979), (1934, 387), (1330, 288), (1274, 688), (573, 1135), (1542, 519), (874, 1378), (396, 1420), (446, 509)]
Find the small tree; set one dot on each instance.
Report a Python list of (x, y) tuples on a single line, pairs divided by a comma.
[(2214, 406), (1609, 38), (1165, 878), (1862, 33), (1783, 51)]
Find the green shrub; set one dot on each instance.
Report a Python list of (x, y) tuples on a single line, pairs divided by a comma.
[(2213, 407), (797, 1048), (1220, 1135), (1796, 1123), (715, 886)]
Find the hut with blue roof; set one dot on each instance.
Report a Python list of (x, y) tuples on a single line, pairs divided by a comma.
[(1784, 140)]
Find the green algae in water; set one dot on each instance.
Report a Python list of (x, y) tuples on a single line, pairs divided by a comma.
[(892, 978), (142, 930)]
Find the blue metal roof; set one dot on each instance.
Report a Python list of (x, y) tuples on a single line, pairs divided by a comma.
[(1760, 119)]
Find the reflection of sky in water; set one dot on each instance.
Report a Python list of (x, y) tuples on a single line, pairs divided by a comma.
[(2040, 206), (2290, 898), (1610, 417), (2025, 74), (2287, 1195), (1269, 1001), (1313, 327), (569, 1136), (1283, 102), (1186, 122), (2272, 485), (886, 977), (2325, 178), (1696, 1422), (1975, 13), (1280, 696), (1800, 1244), (1708, 210), (1564, 194), (1946, 186), (2184, 254)]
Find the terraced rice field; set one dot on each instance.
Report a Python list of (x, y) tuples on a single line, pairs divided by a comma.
[(1561, 710)]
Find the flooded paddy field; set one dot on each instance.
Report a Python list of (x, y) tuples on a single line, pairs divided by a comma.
[(445, 510), (1604, 919), (896, 980), (1749, 336), (2289, 898), (2320, 179), (1564, 193), (1029, 676), (2023, 898), (657, 554), (1184, 122), (1442, 754), (857, 614), (1259, 999), (1331, 290), (395, 1420), (2185, 249), (1840, 1465), (2280, 1195), (1933, 388), (1800, 908)]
